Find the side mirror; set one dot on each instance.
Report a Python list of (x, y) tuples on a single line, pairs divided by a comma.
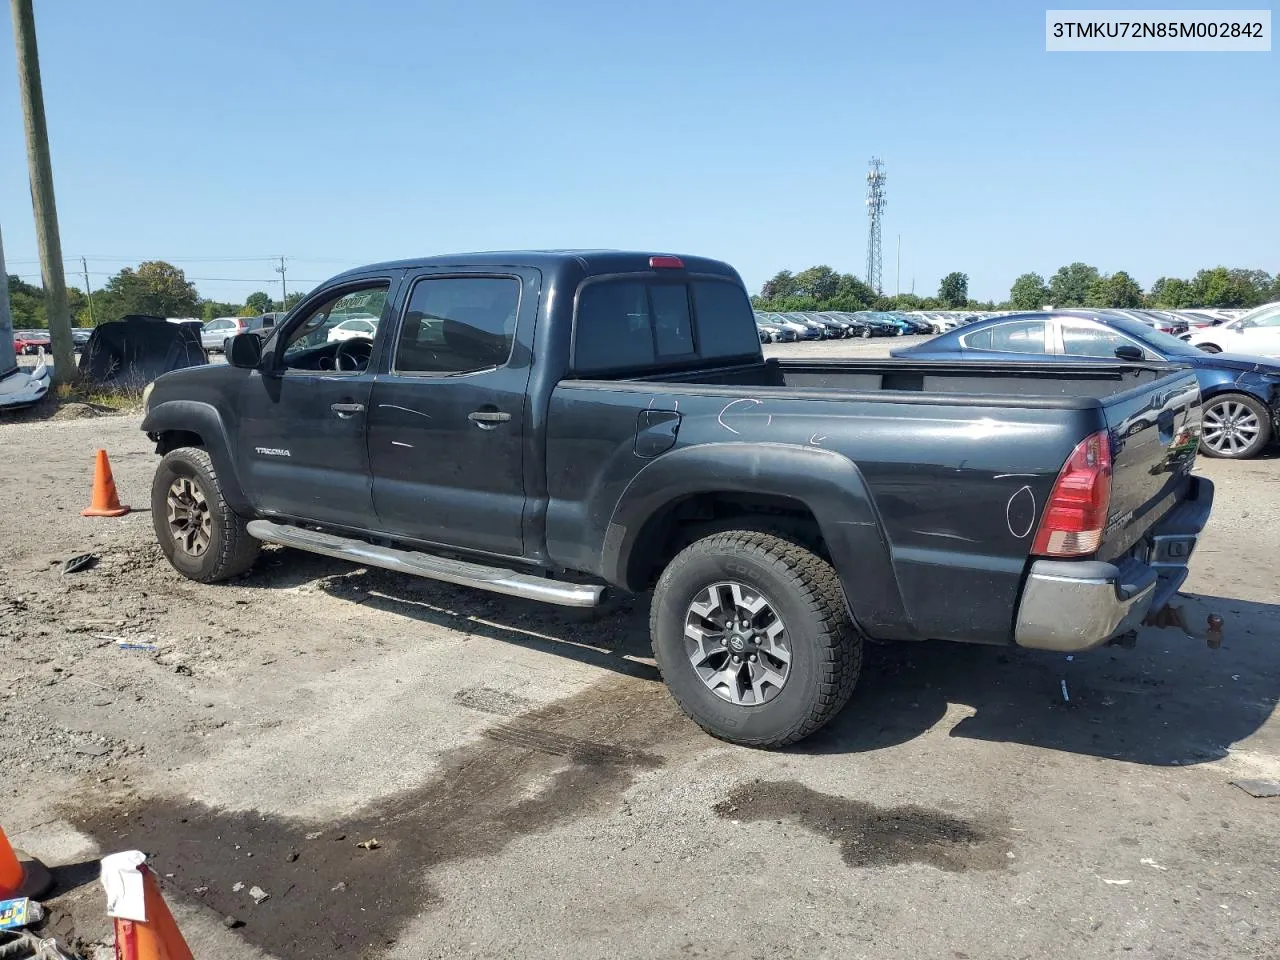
[(1128, 353), (245, 351)]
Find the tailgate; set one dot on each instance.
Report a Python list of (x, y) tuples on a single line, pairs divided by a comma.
[(1155, 430)]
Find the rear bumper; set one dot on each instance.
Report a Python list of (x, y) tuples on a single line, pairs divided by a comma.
[(1076, 605)]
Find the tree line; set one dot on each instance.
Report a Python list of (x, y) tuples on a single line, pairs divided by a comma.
[(154, 288), (1074, 285)]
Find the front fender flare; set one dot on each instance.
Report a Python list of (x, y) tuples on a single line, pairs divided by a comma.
[(193, 416), (828, 483)]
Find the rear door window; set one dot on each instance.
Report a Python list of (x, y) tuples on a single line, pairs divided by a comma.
[(1025, 336), (628, 325)]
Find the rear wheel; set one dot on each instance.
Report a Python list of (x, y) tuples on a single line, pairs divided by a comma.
[(1234, 427), (866, 333), (198, 532), (753, 638)]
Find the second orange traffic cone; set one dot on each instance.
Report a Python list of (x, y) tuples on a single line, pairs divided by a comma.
[(105, 502), (145, 929), (21, 875)]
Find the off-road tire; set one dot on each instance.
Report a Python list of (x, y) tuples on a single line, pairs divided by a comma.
[(826, 647), (231, 550)]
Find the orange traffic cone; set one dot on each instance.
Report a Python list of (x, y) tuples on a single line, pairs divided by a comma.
[(105, 502), (21, 875), (145, 929)]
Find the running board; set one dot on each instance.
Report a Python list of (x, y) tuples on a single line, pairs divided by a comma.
[(493, 579)]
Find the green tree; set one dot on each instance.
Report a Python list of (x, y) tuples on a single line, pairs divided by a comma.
[(156, 288), (1028, 292), (1171, 292), (258, 302), (1221, 287), (1070, 286), (210, 309), (1123, 291), (293, 299), (781, 284), (820, 282), (954, 289)]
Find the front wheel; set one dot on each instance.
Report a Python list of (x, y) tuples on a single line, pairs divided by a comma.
[(1235, 427), (198, 532), (753, 638), (866, 333)]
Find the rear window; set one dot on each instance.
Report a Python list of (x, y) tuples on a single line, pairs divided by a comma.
[(632, 324)]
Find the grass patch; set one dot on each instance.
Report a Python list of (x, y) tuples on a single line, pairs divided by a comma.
[(103, 398)]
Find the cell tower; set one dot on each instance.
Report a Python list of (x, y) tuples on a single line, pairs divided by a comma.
[(876, 178)]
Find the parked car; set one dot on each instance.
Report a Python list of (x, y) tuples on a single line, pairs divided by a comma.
[(1241, 394), (778, 332), (361, 325), (857, 326), (1256, 332), (215, 334), (80, 336), (879, 326), (30, 341), (837, 329), (806, 328), (611, 424)]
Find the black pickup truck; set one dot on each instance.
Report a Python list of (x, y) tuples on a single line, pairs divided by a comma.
[(558, 425)]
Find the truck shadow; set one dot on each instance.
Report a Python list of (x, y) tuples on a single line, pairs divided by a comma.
[(1170, 701)]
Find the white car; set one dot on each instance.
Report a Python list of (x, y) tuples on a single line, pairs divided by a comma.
[(354, 327), (1256, 333), (219, 330)]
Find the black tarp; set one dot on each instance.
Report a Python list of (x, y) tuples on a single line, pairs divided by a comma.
[(133, 351)]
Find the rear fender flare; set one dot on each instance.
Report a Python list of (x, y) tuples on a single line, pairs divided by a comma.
[(192, 416), (828, 483)]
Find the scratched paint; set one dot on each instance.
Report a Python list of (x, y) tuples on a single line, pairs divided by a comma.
[(733, 403), (1020, 513), (392, 406)]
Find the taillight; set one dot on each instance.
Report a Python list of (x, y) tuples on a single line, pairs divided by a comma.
[(1076, 513), (666, 262)]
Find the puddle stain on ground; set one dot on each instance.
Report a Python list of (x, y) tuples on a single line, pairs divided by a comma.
[(871, 836), (330, 896)]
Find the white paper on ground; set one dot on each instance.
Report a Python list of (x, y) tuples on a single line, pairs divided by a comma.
[(123, 882)]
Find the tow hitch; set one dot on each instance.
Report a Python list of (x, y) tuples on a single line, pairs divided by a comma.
[(1171, 616)]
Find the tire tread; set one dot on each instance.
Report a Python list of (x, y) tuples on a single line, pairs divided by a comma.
[(819, 588)]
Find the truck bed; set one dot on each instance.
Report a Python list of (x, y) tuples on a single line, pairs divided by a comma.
[(957, 460)]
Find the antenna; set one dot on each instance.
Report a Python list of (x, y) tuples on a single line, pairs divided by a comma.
[(876, 201)]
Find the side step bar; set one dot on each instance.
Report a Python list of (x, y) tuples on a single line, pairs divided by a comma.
[(494, 579)]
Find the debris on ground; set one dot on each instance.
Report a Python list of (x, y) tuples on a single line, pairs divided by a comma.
[(83, 561), (371, 844), (1259, 788), (24, 945), (20, 912), (259, 895)]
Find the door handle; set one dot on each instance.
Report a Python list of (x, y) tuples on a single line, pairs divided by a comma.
[(345, 410), (488, 419)]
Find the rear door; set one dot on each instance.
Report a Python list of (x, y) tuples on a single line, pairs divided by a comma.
[(448, 419)]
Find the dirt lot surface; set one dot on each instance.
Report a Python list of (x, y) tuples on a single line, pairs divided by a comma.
[(533, 792)]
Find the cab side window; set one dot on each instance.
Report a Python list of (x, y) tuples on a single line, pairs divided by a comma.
[(458, 325)]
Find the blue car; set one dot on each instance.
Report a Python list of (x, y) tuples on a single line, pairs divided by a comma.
[(1241, 394)]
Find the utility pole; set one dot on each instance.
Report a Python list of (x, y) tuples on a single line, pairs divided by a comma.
[(897, 284), (88, 292), (41, 172), (284, 294), (8, 357)]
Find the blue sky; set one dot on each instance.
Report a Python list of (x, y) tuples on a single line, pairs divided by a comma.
[(340, 134)]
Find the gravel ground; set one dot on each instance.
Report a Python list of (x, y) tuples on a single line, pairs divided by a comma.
[(533, 792)]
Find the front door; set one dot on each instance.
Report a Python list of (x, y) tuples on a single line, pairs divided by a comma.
[(447, 420), (303, 416)]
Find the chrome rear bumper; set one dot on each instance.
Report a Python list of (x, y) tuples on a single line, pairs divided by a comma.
[(1075, 605)]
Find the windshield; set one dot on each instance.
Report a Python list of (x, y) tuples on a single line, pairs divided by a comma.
[(1259, 313), (1165, 343)]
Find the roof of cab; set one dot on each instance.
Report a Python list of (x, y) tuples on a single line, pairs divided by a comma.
[(588, 261)]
